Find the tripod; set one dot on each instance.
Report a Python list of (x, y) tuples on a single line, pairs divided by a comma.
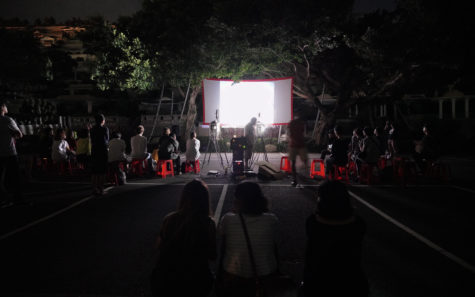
[(214, 141), (256, 155)]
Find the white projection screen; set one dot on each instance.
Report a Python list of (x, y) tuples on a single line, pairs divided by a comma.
[(235, 103)]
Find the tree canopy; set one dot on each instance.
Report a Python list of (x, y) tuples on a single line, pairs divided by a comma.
[(420, 46)]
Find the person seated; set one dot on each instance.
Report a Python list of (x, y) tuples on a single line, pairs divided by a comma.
[(167, 146), (339, 155), (382, 140), (334, 246), (117, 148), (116, 155), (60, 150), (192, 149), (250, 208), (71, 139), (138, 144), (354, 148), (369, 147), (83, 152), (327, 150), (392, 140), (187, 246), (425, 149)]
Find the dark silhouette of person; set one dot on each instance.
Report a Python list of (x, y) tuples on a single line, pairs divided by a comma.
[(99, 146), (236, 277), (425, 149), (251, 136), (187, 242), (339, 151), (334, 244)]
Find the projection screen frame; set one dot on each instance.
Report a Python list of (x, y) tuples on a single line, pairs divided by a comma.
[(252, 80)]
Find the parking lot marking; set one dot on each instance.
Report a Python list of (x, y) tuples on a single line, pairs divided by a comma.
[(54, 214), (219, 208), (464, 189), (418, 236), (182, 184)]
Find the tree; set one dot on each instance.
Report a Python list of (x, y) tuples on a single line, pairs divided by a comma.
[(23, 63)]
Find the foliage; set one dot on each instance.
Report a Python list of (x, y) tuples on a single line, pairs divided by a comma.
[(125, 64)]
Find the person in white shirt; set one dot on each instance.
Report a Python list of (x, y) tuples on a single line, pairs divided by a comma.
[(116, 155), (9, 167), (60, 150), (251, 205), (192, 149), (138, 144), (117, 148)]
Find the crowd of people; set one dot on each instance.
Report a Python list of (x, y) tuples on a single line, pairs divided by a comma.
[(246, 246), (92, 149), (365, 146)]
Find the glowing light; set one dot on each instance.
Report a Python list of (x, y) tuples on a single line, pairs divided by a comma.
[(242, 101)]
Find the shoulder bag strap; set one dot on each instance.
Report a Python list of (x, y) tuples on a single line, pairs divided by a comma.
[(249, 248)]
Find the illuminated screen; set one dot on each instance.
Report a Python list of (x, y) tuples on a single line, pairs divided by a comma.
[(235, 103)]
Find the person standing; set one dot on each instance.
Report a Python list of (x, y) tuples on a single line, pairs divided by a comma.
[(99, 150), (250, 134), (296, 131), (9, 167), (175, 155)]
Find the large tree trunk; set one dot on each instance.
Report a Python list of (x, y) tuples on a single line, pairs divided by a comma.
[(192, 112), (325, 122)]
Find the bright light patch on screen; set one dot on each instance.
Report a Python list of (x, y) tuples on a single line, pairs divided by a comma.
[(244, 100)]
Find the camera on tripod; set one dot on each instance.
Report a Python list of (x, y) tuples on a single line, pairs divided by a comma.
[(213, 129)]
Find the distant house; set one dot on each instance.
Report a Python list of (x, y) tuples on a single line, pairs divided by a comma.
[(47, 41)]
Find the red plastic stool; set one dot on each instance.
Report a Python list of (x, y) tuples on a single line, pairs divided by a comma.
[(340, 173), (367, 176), (382, 162), (112, 171), (137, 166), (285, 164), (313, 168), (64, 166), (195, 164), (162, 168)]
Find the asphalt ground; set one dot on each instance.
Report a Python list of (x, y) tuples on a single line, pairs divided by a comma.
[(419, 241)]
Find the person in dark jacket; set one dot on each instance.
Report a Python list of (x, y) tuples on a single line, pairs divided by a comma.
[(339, 151), (187, 243), (334, 244), (99, 150)]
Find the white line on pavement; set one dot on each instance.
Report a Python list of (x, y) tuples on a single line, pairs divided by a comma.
[(418, 236), (464, 189), (219, 208), (182, 184), (54, 214)]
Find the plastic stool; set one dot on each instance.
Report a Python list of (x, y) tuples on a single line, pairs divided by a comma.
[(367, 175), (64, 166), (285, 164), (195, 164), (162, 168), (137, 166), (321, 168), (340, 173)]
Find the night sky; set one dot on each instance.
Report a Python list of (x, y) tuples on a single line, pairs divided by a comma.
[(62, 10)]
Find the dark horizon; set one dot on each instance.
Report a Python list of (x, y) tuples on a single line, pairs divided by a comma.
[(111, 9)]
